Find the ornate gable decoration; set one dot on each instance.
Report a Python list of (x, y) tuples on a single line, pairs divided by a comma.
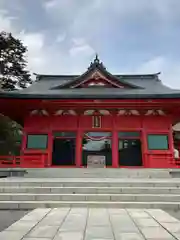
[(97, 112), (127, 112), (39, 112), (65, 112), (134, 112), (97, 76), (97, 79), (155, 112)]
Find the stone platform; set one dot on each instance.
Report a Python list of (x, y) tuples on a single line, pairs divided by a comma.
[(98, 173), (94, 224), (89, 173), (30, 193)]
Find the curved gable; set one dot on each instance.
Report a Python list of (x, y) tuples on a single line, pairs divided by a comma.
[(97, 76)]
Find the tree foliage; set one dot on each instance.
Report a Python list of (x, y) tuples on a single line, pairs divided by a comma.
[(13, 75), (10, 136), (13, 72)]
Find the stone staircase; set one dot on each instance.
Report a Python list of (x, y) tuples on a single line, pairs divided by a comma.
[(97, 173), (155, 189)]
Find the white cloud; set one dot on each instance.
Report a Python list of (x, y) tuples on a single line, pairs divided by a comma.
[(80, 48), (6, 22), (78, 41), (49, 58), (85, 21), (102, 22), (36, 55), (170, 70), (84, 50), (84, 26), (40, 58), (60, 38), (153, 65), (33, 41), (50, 4), (96, 12)]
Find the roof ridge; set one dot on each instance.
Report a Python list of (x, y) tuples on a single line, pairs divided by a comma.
[(55, 75), (139, 74), (115, 74), (119, 76)]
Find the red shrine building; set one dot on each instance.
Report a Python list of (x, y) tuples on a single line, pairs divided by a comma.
[(69, 120)]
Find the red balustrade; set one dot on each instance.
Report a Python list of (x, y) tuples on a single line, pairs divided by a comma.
[(40, 161), (25, 161), (160, 161), (176, 162)]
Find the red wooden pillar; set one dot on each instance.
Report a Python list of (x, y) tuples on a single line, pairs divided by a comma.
[(115, 157), (171, 141), (78, 148), (115, 154), (171, 147), (24, 142), (50, 149), (144, 148)]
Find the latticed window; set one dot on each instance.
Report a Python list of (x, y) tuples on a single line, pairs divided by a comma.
[(37, 141), (158, 142)]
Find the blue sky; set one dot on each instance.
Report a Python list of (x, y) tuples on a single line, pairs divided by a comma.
[(130, 36)]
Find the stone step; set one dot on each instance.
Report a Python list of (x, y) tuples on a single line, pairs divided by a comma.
[(91, 197), (24, 205), (91, 190), (101, 182), (29, 193), (97, 172)]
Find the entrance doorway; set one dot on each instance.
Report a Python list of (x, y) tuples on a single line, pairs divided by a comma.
[(97, 147), (64, 145), (130, 153)]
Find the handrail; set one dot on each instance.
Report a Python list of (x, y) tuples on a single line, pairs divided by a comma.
[(176, 162), (39, 161), (161, 161), (24, 161)]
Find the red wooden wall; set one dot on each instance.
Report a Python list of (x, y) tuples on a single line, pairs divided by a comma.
[(158, 125), (144, 124)]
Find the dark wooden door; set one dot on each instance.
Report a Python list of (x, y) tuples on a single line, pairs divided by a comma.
[(130, 152)]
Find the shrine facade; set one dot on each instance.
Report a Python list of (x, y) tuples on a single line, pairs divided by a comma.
[(96, 118)]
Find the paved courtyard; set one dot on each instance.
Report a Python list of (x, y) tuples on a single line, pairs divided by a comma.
[(8, 217), (93, 224)]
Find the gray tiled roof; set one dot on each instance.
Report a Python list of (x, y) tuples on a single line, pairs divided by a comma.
[(58, 86), (148, 86)]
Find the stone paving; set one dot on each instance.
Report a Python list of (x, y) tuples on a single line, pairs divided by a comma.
[(94, 224), (8, 217)]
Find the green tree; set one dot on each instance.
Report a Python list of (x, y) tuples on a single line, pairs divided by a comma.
[(13, 65), (10, 136), (13, 75)]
